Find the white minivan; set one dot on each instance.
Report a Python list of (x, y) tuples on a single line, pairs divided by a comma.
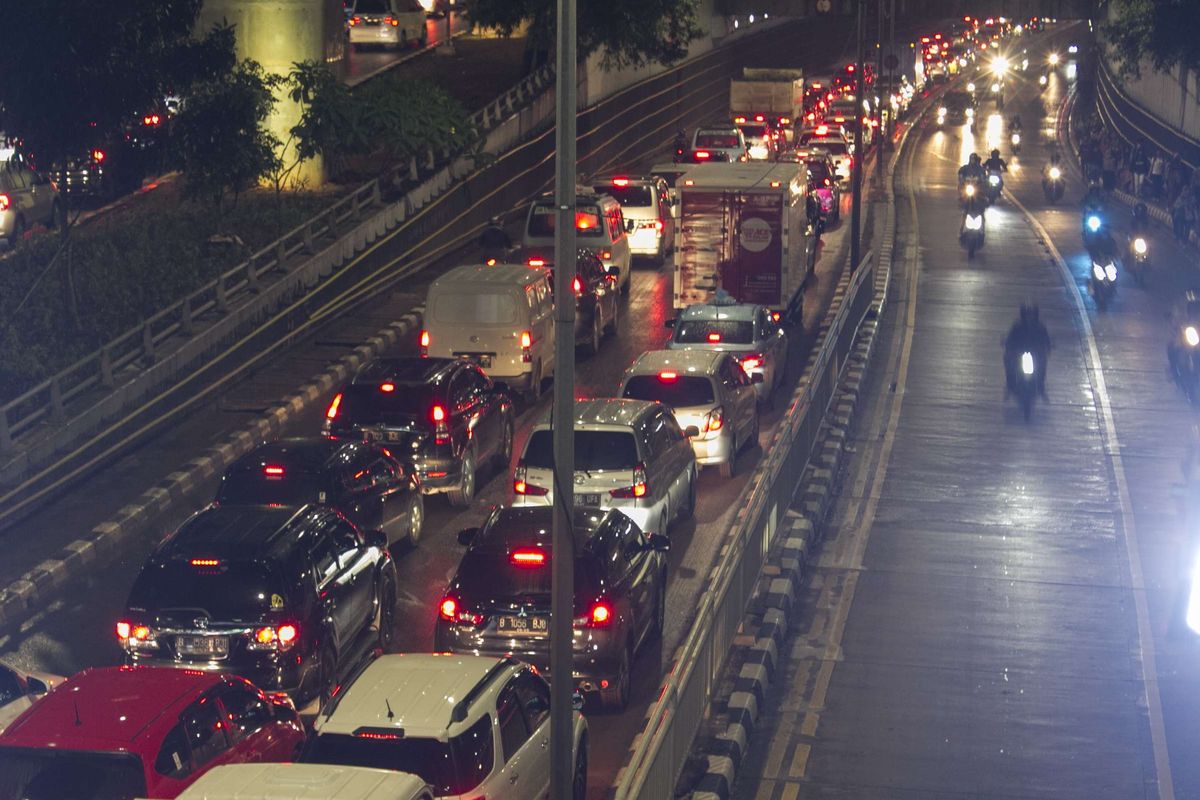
[(498, 316), (599, 226), (305, 782)]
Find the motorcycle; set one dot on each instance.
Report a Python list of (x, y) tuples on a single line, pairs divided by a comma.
[(1016, 142), (1184, 358), (968, 191), (1053, 185), (971, 234), (995, 185), (1139, 259), (1023, 382), (1102, 285), (1095, 232)]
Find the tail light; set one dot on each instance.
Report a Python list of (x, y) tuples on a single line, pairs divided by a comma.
[(537, 262), (668, 376), (97, 156), (355, 21), (577, 285), (274, 637), (522, 487), (638, 489), (528, 558), (441, 431), (135, 634), (391, 21), (702, 155), (526, 347), (599, 616), (752, 361), (605, 254), (332, 411), (713, 337), (620, 181), (424, 342), (274, 471), (387, 388), (5, 202), (659, 224), (713, 420), (450, 611)]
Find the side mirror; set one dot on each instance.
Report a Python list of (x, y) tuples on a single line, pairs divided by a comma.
[(467, 535), (756, 377), (577, 701), (36, 685), (691, 431), (669, 324), (658, 541), (377, 539)]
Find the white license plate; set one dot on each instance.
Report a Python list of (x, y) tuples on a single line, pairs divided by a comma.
[(207, 646), (522, 626), (587, 499)]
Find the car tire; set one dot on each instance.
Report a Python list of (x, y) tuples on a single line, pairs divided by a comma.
[(462, 495), (579, 781), (385, 614), (628, 284), (756, 431), (616, 696), (326, 674), (660, 610), (729, 466), (534, 392), (611, 328), (504, 452), (689, 507), (17, 233), (416, 519), (592, 346)]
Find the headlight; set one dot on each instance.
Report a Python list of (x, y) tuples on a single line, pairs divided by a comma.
[(941, 111), (1027, 363), (1093, 223), (995, 87), (1139, 246), (994, 179), (1110, 271), (974, 223), (1055, 173), (1016, 138), (1042, 80), (969, 190), (1053, 59), (971, 86), (1191, 335), (1098, 271), (970, 113)]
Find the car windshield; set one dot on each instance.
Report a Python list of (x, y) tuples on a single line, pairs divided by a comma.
[(714, 331), (368, 405), (479, 308), (638, 196), (56, 774), (754, 131), (594, 450), (232, 591), (541, 222), (675, 392), (451, 768), (717, 139), (254, 486)]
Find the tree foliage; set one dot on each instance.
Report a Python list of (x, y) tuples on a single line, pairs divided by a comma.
[(222, 141), (628, 32), (75, 70), (1165, 33)]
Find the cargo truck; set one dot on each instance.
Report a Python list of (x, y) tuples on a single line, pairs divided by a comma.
[(744, 228), (774, 94)]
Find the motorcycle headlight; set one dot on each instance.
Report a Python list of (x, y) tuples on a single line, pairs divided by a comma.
[(994, 179), (1016, 138), (1110, 271), (1055, 173), (1027, 363), (1093, 223), (1191, 335), (941, 111), (1098, 271), (995, 87), (970, 87), (1139, 246), (1042, 80), (969, 190), (970, 113), (974, 223)]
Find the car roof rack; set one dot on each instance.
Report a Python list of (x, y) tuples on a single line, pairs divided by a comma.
[(459, 712)]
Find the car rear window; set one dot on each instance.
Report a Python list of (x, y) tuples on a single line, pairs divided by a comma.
[(366, 404), (757, 131), (451, 768), (716, 139), (55, 774), (819, 170), (232, 591), (680, 392), (835, 147), (587, 221), (594, 450), (488, 574), (636, 196), (479, 308), (714, 331), (253, 486), (373, 7)]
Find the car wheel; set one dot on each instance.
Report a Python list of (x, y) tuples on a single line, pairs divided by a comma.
[(689, 506), (660, 609), (593, 343), (326, 674), (385, 616), (534, 392), (579, 782), (504, 454), (756, 430), (729, 466), (416, 518), (616, 696), (17, 234), (611, 328), (625, 287), (462, 495)]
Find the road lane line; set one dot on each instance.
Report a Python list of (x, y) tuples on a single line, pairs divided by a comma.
[(1112, 447)]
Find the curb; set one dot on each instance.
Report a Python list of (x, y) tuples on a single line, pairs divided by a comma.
[(33, 590)]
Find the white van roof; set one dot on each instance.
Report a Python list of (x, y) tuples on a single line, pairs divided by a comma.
[(745, 175), (495, 275), (304, 782)]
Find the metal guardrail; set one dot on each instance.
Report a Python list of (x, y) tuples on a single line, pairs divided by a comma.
[(47, 401), (659, 752)]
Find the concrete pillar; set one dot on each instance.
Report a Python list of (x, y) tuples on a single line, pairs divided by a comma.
[(276, 34)]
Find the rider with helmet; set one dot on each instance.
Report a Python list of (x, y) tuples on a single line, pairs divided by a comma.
[(1027, 335)]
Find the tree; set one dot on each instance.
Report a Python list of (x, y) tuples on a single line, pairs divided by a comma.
[(222, 142), (1166, 33), (628, 32), (76, 71)]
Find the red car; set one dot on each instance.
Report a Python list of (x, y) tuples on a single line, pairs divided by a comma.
[(118, 733)]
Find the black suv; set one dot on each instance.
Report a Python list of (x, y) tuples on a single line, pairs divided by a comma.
[(442, 416), (596, 295), (499, 600), (362, 480), (288, 598)]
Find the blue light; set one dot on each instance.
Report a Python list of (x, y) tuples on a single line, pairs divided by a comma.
[(1093, 223)]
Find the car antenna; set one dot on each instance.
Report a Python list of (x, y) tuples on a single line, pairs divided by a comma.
[(78, 721), (389, 708)]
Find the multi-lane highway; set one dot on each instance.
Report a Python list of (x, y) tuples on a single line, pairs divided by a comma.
[(997, 609)]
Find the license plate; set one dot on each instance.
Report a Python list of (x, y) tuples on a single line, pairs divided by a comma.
[(207, 646), (481, 359), (587, 499), (522, 626)]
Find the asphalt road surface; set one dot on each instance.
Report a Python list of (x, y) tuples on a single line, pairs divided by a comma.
[(998, 608)]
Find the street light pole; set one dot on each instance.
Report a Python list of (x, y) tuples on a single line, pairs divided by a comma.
[(856, 176), (882, 133), (562, 552)]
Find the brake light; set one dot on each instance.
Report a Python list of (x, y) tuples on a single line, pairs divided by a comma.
[(667, 376), (758, 117), (528, 558), (750, 362), (537, 262), (387, 388), (391, 21), (332, 411), (659, 224), (526, 345), (97, 156), (703, 155), (448, 610), (287, 634), (620, 181), (522, 487), (205, 562), (577, 285), (424, 342), (604, 254), (638, 489), (355, 21), (4, 202), (713, 337), (124, 628), (273, 471), (264, 635), (601, 614), (714, 420), (437, 414), (822, 130)]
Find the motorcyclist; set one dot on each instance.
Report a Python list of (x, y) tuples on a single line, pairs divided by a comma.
[(972, 170), (494, 240), (1027, 335), (995, 163), (1139, 221), (1014, 124), (1093, 203)]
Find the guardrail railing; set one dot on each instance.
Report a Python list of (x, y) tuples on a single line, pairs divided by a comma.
[(658, 754), (143, 344)]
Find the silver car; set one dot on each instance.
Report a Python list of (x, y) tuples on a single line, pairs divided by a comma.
[(630, 455), (387, 23), (646, 205), (705, 389), (749, 332), (27, 199)]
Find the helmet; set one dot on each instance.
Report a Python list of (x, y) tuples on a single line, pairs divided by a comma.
[(995, 154), (496, 222), (974, 159)]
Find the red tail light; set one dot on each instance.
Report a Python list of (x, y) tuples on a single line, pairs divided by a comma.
[(273, 471), (124, 628), (355, 21), (441, 431), (577, 285), (4, 202), (387, 388), (528, 558), (667, 376), (713, 420), (638, 489), (659, 224), (605, 254), (522, 487), (713, 337), (97, 156), (424, 342), (332, 411), (526, 347), (599, 616), (703, 155), (620, 181), (537, 262), (391, 21), (449, 610), (127, 630), (269, 637)]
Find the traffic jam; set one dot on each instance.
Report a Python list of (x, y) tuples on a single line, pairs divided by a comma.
[(260, 640)]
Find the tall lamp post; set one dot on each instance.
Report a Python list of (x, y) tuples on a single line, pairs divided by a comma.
[(856, 170)]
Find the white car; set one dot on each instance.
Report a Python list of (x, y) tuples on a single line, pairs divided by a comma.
[(630, 455), (707, 389), (750, 332), (719, 143), (387, 23), (305, 782), (469, 726), (19, 690)]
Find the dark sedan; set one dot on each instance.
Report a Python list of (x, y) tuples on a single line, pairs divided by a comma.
[(596, 295)]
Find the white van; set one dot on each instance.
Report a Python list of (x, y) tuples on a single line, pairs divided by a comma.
[(305, 782), (500, 317), (599, 226)]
